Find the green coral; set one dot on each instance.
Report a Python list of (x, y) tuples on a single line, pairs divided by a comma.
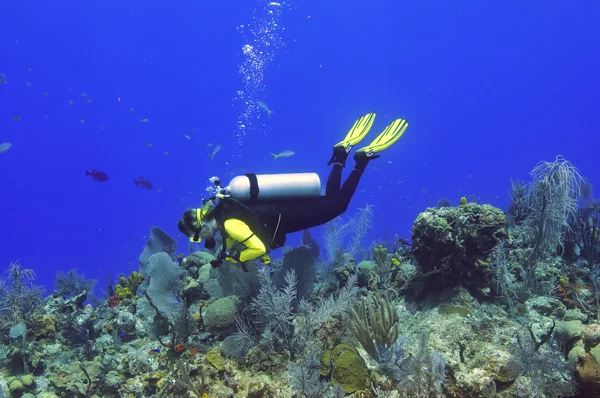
[(215, 359), (346, 368), (123, 291), (220, 315), (128, 286), (380, 254)]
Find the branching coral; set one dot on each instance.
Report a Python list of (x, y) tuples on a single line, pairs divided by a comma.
[(375, 325), (19, 296)]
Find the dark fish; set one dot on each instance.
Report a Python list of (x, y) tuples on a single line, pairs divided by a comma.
[(143, 183), (97, 175)]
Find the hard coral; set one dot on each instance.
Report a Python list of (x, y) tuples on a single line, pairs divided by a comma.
[(588, 373), (452, 245)]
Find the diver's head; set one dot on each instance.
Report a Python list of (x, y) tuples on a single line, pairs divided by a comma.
[(198, 222), (189, 224)]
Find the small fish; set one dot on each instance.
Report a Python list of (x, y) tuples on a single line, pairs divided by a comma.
[(83, 94), (88, 101), (154, 351), (122, 334), (149, 144), (158, 190), (130, 109), (193, 130), (144, 121), (142, 182), (70, 102), (16, 117), (5, 146), (214, 152), (167, 153), (27, 84), (3, 80), (97, 175), (81, 121), (45, 93), (187, 137), (284, 154), (101, 127), (264, 107)]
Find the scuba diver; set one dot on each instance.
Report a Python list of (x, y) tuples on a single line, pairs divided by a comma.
[(256, 212)]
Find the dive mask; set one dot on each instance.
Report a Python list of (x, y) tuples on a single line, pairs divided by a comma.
[(200, 213)]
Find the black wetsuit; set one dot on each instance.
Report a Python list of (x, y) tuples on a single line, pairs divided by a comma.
[(281, 217)]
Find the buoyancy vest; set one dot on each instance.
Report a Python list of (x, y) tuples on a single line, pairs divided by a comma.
[(264, 220)]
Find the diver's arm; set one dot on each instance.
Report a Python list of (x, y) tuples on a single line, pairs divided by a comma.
[(240, 232)]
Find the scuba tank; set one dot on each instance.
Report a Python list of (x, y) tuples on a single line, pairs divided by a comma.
[(250, 187)]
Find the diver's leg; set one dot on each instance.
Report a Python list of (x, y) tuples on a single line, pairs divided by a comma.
[(351, 183), (335, 176)]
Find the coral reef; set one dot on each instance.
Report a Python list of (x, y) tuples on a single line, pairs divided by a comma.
[(482, 305)]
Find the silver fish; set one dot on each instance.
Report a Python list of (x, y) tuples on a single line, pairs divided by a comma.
[(284, 154), (5, 146), (264, 107)]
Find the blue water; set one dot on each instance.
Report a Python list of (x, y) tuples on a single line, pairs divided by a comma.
[(489, 89)]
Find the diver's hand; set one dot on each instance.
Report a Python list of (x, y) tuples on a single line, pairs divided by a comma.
[(233, 256)]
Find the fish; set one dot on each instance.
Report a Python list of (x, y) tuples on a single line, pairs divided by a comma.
[(284, 154), (88, 101), (214, 152), (3, 80), (45, 93), (83, 94), (16, 117), (144, 121), (5, 146), (264, 107), (131, 109), (70, 102), (27, 84), (187, 137), (142, 182), (148, 144), (81, 121), (97, 175)]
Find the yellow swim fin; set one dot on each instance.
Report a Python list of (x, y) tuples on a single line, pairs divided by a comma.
[(358, 131), (391, 134)]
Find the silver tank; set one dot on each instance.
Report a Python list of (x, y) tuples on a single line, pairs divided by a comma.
[(276, 186)]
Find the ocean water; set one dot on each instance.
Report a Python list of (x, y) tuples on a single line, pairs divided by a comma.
[(489, 89)]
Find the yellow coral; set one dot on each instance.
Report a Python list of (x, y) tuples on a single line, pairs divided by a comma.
[(123, 291), (395, 262), (135, 279), (463, 201), (215, 359), (128, 286)]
